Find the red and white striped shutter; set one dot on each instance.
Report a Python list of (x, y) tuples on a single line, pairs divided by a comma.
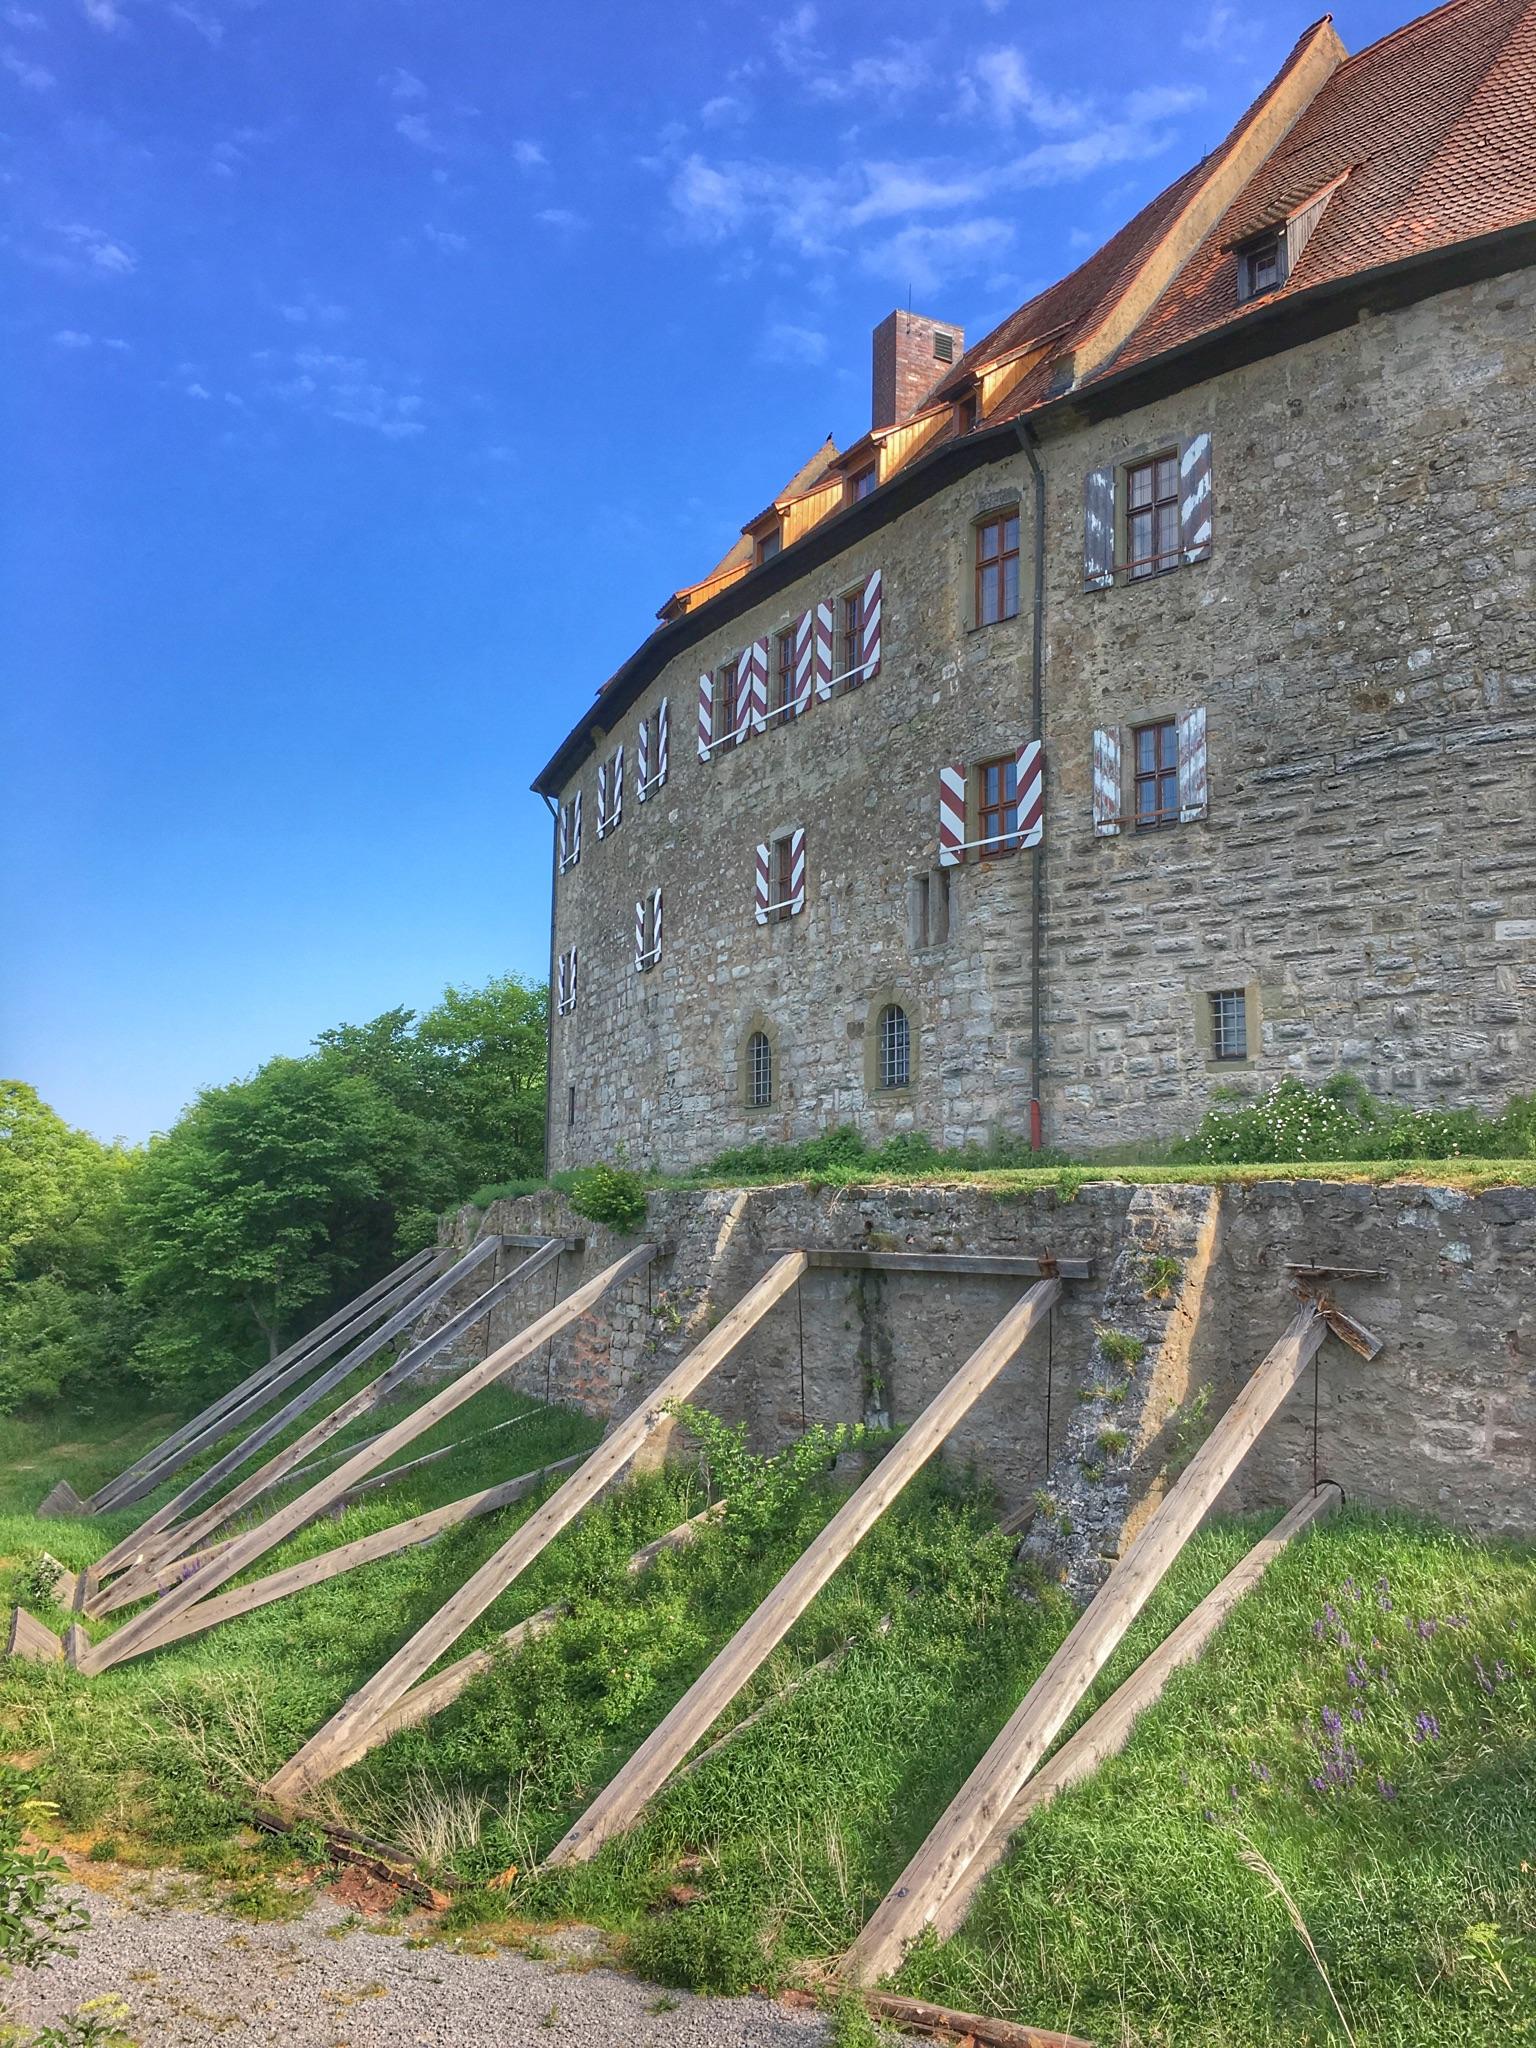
[(1106, 782), (706, 716), (1196, 503), (655, 924), (1099, 529), (1029, 783), (1194, 781), (662, 747), (805, 638), (761, 898), (616, 789), (639, 933), (742, 714), (563, 838), (643, 761), (602, 798), (824, 643), (560, 986), (869, 611), (952, 815), (758, 700), (797, 871), (576, 828)]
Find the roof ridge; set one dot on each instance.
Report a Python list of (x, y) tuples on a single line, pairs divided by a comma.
[(1407, 28)]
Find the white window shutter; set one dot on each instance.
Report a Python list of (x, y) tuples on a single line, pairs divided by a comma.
[(639, 933), (655, 924), (560, 986), (805, 642), (741, 712), (1196, 504), (562, 838), (602, 799), (576, 828), (1194, 780), (706, 716), (643, 761), (757, 700), (1029, 782), (797, 871), (761, 898), (616, 789), (1106, 782), (825, 626), (1099, 529), (573, 978), (661, 742), (871, 634), (952, 781)]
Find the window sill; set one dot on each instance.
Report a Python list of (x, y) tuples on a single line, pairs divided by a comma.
[(991, 625)]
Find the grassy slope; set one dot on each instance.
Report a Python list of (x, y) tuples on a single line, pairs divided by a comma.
[(1470, 1175), (1126, 1912)]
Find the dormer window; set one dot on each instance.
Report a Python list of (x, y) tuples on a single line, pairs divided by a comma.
[(965, 413), (863, 481), (1261, 265), (770, 543)]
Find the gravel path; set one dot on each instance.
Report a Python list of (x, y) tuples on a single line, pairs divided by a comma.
[(191, 1977)]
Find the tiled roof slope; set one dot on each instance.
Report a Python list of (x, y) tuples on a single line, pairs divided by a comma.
[(1435, 127)]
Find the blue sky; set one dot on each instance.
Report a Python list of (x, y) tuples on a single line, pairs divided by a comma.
[(372, 369)]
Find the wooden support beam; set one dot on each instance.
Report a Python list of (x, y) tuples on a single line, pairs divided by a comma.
[(346, 1557), (785, 1692), (382, 1860), (922, 2016), (147, 1472), (435, 1694), (61, 1502), (417, 1656), (1106, 1732), (626, 1797), (156, 1539), (134, 1635), (982, 1266), (963, 1830), (146, 1583), (277, 1468), (29, 1638)]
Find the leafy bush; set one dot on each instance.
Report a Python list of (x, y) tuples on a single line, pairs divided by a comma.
[(35, 1925), (1343, 1120), (607, 1194)]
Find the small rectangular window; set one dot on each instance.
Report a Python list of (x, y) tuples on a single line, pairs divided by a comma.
[(570, 1109), (997, 805), (725, 707), (784, 877), (1152, 516), (1155, 751), (784, 674), (966, 413), (929, 909), (863, 481), (850, 634), (997, 568), (943, 348), (759, 1071), (1261, 266), (1229, 1024), (770, 544), (895, 1048)]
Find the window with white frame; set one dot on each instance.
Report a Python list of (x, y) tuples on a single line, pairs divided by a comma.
[(1229, 1024), (565, 983), (895, 1047), (568, 834), (759, 1071), (647, 930), (651, 751)]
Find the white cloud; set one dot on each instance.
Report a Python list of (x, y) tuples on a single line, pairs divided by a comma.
[(724, 111), (447, 239), (1000, 84), (793, 37), (208, 26), (561, 217), (103, 12), (1161, 102), (21, 17), (1224, 33), (311, 311), (198, 391), (528, 155), (99, 251), (891, 76), (897, 189), (925, 256), (71, 337), (345, 388), (418, 129), (783, 342), (403, 85), (35, 77)]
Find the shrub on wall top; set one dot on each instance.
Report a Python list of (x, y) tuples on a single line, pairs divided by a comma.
[(607, 1194)]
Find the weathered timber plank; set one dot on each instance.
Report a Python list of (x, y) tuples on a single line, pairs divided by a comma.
[(61, 1502), (785, 1692), (965, 1827), (29, 1638), (334, 1485), (922, 2016), (416, 1657), (628, 1794), (983, 1266), (434, 1694), (133, 1545), (1106, 1731), (156, 1465), (363, 1402), (347, 1557)]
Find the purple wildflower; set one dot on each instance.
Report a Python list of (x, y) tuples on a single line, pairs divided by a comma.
[(1388, 1792), (1332, 1720), (1357, 1712), (1350, 1589), (1425, 1728), (1427, 1629), (1319, 1629), (1260, 1771)]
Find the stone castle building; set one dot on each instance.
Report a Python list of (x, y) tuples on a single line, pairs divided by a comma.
[(1145, 705)]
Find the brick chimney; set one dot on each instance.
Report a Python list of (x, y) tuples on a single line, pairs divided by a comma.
[(911, 355)]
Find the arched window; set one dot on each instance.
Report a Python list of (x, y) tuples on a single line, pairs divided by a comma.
[(759, 1071), (895, 1047)]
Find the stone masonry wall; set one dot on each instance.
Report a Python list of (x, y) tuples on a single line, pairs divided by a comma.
[(1442, 1422), (1360, 639)]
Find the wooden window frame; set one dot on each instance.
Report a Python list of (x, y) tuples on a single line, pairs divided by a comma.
[(724, 685), (782, 703), (1167, 730), (759, 1069), (1138, 569), (768, 544), (1248, 257), (988, 844), (781, 878), (848, 638), (863, 481), (1227, 1004), (885, 1031), (994, 567)]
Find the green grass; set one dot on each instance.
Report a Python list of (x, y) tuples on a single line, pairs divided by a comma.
[(1126, 1912)]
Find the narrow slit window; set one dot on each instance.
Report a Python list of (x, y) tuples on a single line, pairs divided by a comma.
[(1229, 1024), (997, 807), (850, 633), (784, 675), (997, 569), (784, 877), (1152, 516), (570, 1109), (759, 1071), (725, 707), (1157, 773), (895, 1047)]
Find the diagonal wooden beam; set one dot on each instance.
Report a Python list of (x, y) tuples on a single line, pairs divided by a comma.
[(440, 1691), (626, 1797), (1106, 1732), (143, 1629), (346, 1557), (156, 1538), (363, 1402), (963, 1830), (417, 1656), (147, 1472)]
